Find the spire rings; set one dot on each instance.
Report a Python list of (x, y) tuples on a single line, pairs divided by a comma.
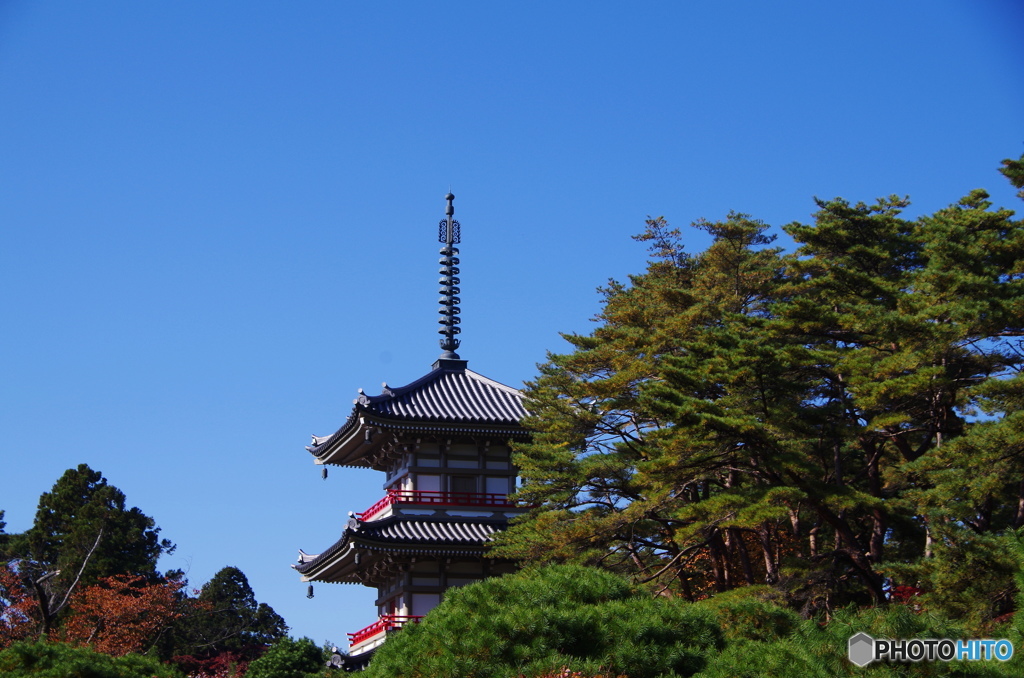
[(449, 232)]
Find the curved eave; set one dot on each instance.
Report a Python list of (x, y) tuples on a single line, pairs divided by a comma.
[(342, 568), (331, 566), (415, 537), (342, 448), (349, 447)]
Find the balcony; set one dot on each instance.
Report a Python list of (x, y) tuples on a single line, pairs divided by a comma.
[(388, 622), (438, 499)]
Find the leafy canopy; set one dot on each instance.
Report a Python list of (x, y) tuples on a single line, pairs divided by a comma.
[(289, 658)]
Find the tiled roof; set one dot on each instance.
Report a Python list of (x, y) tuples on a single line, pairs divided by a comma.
[(450, 395), (408, 531), (420, 531), (457, 396)]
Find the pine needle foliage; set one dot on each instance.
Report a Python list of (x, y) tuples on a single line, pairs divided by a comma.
[(567, 621), (549, 620), (44, 659), (833, 421)]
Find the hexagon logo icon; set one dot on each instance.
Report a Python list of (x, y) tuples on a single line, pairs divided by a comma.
[(861, 649)]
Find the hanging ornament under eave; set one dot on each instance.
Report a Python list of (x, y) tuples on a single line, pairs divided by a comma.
[(309, 591), (323, 473)]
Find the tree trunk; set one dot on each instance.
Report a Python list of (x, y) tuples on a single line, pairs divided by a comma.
[(718, 562), (741, 551), (879, 521), (764, 532), (1018, 518), (812, 539), (794, 522)]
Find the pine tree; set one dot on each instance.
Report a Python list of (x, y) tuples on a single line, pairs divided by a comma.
[(224, 620), (82, 533), (806, 419)]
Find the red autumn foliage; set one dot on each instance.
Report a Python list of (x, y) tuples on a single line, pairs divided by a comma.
[(903, 594), (17, 607), (568, 673), (223, 665), (121, 614)]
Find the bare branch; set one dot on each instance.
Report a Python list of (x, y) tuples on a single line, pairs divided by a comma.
[(85, 562), (673, 561)]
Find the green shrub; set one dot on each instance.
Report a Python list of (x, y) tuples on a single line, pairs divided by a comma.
[(815, 649), (546, 620), (749, 613), (559, 619), (43, 659), (288, 658)]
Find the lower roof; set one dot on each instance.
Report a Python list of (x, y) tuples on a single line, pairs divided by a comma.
[(412, 535)]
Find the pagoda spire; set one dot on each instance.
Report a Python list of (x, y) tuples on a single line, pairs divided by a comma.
[(449, 233)]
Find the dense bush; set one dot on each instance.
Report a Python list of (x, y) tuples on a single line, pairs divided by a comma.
[(550, 619), (816, 649), (752, 613), (576, 622), (288, 658), (44, 659)]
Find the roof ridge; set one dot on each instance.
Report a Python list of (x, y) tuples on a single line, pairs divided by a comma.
[(511, 389), (399, 391), (435, 375)]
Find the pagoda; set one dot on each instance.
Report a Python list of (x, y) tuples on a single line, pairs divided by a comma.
[(442, 442)]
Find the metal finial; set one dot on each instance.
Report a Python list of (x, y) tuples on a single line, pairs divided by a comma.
[(449, 233)]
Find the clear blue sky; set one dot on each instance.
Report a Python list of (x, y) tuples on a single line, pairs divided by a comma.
[(218, 220)]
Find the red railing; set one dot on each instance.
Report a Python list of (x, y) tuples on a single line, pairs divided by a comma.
[(436, 499), (385, 623)]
